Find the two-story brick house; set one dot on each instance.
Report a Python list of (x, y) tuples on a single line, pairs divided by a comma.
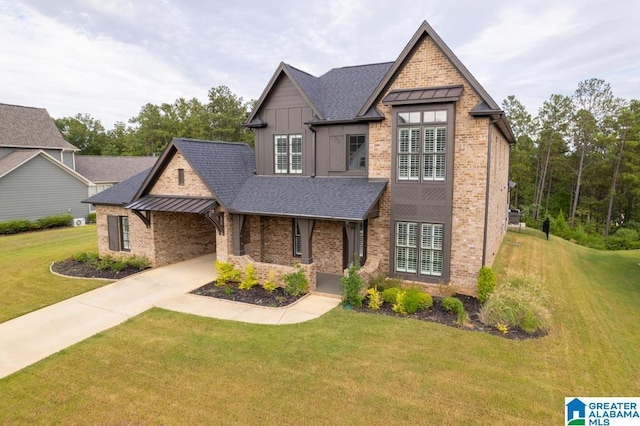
[(401, 166)]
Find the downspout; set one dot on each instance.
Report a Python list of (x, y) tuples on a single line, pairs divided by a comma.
[(486, 195), (313, 150)]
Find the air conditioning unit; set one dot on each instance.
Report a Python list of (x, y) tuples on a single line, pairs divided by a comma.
[(79, 221)]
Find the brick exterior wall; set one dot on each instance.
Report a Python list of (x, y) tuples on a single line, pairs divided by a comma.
[(141, 238), (263, 270), (498, 194), (167, 183), (429, 67)]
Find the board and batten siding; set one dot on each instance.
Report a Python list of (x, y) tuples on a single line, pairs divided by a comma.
[(40, 188)]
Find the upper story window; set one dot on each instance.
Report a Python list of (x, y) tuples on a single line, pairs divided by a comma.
[(357, 152), (288, 153), (422, 137), (180, 177)]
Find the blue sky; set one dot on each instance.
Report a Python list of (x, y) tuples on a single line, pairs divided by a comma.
[(110, 57)]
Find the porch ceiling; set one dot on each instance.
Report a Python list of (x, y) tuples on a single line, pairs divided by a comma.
[(165, 203)]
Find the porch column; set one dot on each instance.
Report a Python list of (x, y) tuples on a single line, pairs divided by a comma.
[(306, 232), (352, 230), (238, 236)]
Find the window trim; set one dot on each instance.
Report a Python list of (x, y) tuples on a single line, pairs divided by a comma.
[(289, 139), (364, 146), (296, 239), (118, 233), (415, 250), (180, 177)]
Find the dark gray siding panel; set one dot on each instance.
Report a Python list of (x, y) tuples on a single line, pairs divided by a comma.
[(113, 232), (55, 153), (40, 188), (337, 151), (331, 141), (67, 159)]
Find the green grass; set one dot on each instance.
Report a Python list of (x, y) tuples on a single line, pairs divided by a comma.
[(25, 281), (353, 368)]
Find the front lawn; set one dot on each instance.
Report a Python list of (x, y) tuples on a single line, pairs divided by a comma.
[(25, 281), (347, 367)]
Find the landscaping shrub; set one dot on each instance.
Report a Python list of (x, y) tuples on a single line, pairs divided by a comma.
[(271, 283), (139, 262), (375, 299), (109, 262), (399, 306), (352, 285), (296, 283), (226, 272), (453, 304), (381, 282), (249, 281), (16, 226), (54, 221), (389, 295), (487, 282), (519, 302), (91, 218)]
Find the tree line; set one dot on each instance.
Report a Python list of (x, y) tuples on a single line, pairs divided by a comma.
[(220, 118), (578, 158)]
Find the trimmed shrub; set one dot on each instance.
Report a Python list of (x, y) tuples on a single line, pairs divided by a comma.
[(91, 218), (352, 285), (16, 226), (453, 304), (54, 221), (487, 282), (296, 282), (375, 299), (250, 280), (399, 306), (390, 295), (518, 303), (226, 272), (271, 283)]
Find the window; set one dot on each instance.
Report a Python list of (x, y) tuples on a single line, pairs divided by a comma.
[(424, 249), (288, 154), (94, 189), (118, 233), (422, 138), (362, 250), (357, 152), (180, 177), (297, 239)]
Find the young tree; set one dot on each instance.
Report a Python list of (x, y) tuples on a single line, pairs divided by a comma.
[(83, 131)]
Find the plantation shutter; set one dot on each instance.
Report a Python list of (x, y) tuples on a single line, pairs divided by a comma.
[(114, 234)]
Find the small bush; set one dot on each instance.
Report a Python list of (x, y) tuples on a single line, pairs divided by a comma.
[(271, 283), (118, 265), (487, 282), (518, 303), (249, 281), (91, 218), (296, 283), (16, 226), (390, 295), (54, 221), (226, 272), (416, 299), (375, 299), (352, 285), (381, 282), (399, 305), (139, 262), (453, 304)]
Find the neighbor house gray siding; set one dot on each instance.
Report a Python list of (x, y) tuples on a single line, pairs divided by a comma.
[(40, 188), (67, 159), (285, 112), (4, 151)]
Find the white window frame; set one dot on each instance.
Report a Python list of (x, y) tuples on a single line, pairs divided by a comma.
[(287, 151), (419, 248), (419, 157)]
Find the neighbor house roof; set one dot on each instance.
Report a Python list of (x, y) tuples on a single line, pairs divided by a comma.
[(122, 193), (336, 95), (28, 127), (109, 169), (222, 166), (338, 198), (19, 157)]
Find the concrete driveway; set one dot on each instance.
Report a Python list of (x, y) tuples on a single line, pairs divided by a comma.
[(34, 336)]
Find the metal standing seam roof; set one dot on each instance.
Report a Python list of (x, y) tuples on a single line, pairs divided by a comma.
[(157, 203), (429, 94)]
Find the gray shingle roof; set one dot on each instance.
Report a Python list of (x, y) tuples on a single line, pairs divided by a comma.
[(319, 197), (340, 93), (223, 166), (108, 169), (120, 194), (29, 127)]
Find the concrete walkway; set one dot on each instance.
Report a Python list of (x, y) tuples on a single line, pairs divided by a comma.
[(34, 336)]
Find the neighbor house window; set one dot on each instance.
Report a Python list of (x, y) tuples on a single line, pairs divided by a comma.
[(419, 248), (118, 233), (180, 177), (288, 154), (94, 189), (422, 137), (357, 152), (297, 239)]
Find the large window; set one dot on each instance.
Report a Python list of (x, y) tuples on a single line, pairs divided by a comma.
[(118, 233), (422, 137), (357, 152), (419, 248), (288, 154)]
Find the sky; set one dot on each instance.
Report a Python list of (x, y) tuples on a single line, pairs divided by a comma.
[(108, 58)]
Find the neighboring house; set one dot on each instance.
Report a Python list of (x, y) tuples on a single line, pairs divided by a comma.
[(40, 173), (400, 166)]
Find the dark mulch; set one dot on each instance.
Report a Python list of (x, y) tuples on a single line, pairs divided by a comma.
[(73, 268), (437, 314), (256, 296)]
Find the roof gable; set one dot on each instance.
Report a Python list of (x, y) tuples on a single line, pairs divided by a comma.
[(223, 167), (20, 157), (28, 127), (111, 169), (122, 193)]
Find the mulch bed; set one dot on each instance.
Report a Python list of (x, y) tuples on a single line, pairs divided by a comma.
[(437, 314), (256, 296), (73, 268)]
